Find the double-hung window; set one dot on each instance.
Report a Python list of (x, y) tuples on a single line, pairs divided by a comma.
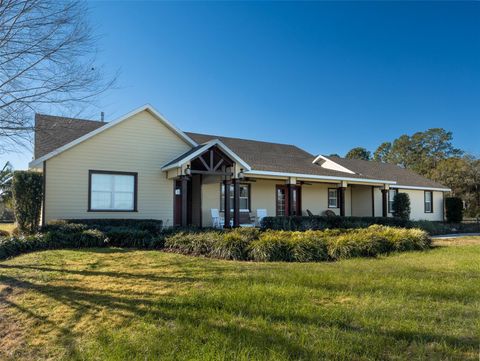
[(112, 191), (244, 197), (332, 198), (428, 198), (391, 198)]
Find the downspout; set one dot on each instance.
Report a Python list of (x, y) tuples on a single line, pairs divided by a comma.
[(44, 191)]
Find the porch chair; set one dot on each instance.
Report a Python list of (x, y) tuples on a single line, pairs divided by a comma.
[(246, 220), (217, 221), (261, 214)]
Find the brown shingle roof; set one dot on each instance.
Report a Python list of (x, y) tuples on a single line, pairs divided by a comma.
[(273, 157), (388, 171), (51, 132)]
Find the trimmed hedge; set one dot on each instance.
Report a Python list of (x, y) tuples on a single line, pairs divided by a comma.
[(27, 191), (401, 206), (304, 223), (309, 246), (454, 209)]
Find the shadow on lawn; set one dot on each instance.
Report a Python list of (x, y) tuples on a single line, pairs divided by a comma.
[(191, 311)]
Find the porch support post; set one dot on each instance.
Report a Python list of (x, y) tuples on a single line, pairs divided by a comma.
[(373, 201), (236, 202), (384, 202), (341, 193), (226, 207), (184, 184), (290, 190)]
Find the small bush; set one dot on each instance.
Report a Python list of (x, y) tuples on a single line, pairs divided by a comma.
[(454, 209), (27, 190), (401, 206)]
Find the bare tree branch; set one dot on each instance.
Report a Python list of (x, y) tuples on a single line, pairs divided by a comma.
[(47, 57)]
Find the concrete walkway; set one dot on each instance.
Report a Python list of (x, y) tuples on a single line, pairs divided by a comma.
[(455, 235)]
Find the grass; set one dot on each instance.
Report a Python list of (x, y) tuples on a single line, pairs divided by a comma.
[(7, 227), (116, 304)]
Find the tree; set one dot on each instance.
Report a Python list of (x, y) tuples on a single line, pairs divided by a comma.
[(422, 151), (359, 153), (462, 176), (401, 206), (6, 175), (47, 57), (382, 153)]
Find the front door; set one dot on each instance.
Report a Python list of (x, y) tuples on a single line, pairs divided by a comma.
[(284, 200)]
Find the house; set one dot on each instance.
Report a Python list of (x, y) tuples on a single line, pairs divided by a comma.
[(142, 166)]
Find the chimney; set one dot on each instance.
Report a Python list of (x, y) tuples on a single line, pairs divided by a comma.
[(102, 117)]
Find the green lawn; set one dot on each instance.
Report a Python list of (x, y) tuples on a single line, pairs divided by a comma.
[(114, 304)]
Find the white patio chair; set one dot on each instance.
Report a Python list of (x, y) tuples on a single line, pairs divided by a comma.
[(217, 220), (261, 214)]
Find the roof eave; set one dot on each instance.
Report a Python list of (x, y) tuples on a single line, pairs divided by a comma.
[(319, 177)]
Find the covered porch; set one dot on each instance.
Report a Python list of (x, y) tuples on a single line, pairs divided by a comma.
[(210, 180)]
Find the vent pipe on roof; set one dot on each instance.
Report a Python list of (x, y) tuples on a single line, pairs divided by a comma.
[(102, 117)]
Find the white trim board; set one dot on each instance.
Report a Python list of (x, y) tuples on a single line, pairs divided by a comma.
[(38, 162), (199, 151), (320, 177), (398, 186), (330, 164)]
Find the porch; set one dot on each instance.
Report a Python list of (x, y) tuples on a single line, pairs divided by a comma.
[(210, 177)]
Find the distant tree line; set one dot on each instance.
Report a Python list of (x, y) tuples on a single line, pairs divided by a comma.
[(432, 154)]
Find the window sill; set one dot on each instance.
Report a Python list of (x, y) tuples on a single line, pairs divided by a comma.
[(112, 210)]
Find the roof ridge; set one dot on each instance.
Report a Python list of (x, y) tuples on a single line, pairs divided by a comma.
[(216, 136), (68, 118)]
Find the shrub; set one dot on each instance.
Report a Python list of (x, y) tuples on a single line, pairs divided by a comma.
[(454, 209), (302, 223), (4, 233), (27, 190), (152, 226), (272, 246), (310, 246), (401, 206)]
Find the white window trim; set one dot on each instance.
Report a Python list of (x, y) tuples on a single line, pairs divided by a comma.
[(336, 198), (112, 192)]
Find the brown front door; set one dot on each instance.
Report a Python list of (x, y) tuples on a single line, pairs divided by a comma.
[(281, 200), (284, 200)]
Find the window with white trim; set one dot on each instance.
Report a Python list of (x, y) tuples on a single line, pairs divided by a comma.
[(391, 198), (428, 196), (332, 198), (244, 197), (112, 191)]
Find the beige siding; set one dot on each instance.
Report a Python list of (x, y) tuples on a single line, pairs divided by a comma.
[(361, 201), (315, 198), (378, 202), (417, 205), (140, 144), (210, 199), (263, 195)]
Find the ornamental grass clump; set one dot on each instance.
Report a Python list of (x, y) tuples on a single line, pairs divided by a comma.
[(273, 246)]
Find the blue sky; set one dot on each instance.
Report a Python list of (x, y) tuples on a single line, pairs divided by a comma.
[(324, 76)]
